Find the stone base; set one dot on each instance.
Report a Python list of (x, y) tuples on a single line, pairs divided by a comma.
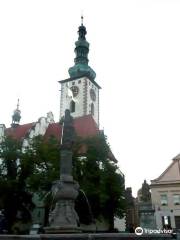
[(80, 236), (56, 230), (63, 218)]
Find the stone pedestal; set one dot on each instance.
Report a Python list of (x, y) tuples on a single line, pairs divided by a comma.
[(64, 217), (146, 215)]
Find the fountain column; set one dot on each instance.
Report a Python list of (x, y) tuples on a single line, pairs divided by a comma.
[(64, 217)]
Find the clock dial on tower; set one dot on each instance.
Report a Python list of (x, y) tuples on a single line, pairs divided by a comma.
[(93, 94), (75, 90)]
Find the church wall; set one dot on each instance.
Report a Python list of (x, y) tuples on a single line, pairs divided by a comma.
[(89, 101), (65, 100), (2, 128), (39, 128), (83, 104)]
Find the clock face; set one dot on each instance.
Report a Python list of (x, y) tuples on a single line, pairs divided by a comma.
[(75, 90), (93, 94)]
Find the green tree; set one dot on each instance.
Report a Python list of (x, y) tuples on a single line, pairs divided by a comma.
[(34, 170), (44, 155), (112, 193), (14, 170), (100, 178)]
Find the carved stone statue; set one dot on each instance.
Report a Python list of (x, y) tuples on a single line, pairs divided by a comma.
[(145, 191), (68, 134)]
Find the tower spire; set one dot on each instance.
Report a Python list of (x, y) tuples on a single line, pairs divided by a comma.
[(82, 32), (16, 116), (82, 18), (18, 104), (81, 50)]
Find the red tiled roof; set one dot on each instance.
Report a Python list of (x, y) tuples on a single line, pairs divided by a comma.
[(54, 129), (19, 132), (84, 126)]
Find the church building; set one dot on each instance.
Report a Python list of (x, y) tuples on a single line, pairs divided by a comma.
[(85, 90), (79, 94)]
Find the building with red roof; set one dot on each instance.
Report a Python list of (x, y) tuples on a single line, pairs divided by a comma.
[(79, 94)]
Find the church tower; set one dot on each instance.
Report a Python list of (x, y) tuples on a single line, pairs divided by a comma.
[(80, 92), (16, 116)]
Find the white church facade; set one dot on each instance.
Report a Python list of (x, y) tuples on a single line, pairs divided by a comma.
[(85, 99)]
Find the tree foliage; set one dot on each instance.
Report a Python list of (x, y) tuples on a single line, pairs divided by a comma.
[(34, 170), (14, 170), (100, 178), (44, 155)]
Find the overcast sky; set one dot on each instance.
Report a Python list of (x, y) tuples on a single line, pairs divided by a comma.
[(135, 51)]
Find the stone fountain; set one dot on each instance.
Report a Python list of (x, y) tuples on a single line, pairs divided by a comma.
[(65, 190)]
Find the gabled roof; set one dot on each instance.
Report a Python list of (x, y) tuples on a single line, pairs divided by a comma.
[(171, 174), (84, 126), (19, 132)]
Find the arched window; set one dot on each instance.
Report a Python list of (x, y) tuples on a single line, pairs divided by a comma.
[(92, 109), (72, 106)]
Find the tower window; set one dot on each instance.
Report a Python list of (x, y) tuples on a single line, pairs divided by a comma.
[(92, 109), (72, 106)]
